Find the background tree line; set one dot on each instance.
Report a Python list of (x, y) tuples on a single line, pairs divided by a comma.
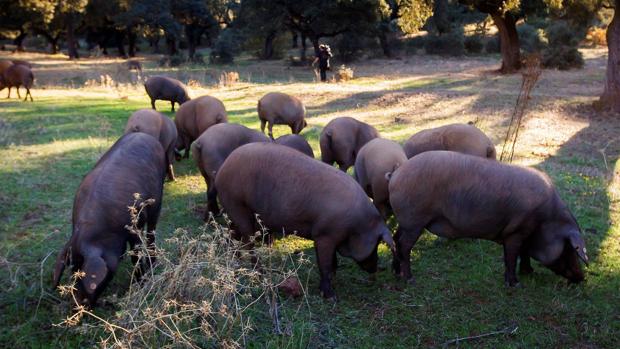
[(354, 28)]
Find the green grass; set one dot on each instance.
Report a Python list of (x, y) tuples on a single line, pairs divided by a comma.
[(50, 144)]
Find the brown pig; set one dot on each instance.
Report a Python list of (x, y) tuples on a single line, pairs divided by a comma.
[(462, 138), (134, 164), (455, 195), (166, 89), (294, 194), (296, 142), (15, 76), (374, 160), (277, 108), (341, 140), (213, 147), (159, 126), (194, 117)]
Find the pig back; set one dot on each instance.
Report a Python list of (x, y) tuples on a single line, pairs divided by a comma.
[(134, 164), (290, 190), (467, 196)]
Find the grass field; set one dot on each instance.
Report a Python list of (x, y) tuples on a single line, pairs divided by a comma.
[(46, 147)]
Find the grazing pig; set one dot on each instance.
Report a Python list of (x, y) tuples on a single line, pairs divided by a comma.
[(134, 164), (455, 195), (166, 89), (22, 62), (159, 126), (341, 140), (194, 117), (213, 147), (278, 108), (462, 138), (298, 195), (133, 64), (296, 142), (374, 160), (15, 76)]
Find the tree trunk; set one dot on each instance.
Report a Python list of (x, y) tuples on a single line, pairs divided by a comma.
[(19, 41), (119, 38), (172, 45), (268, 48), (509, 42), (190, 34), (611, 96), (384, 40), (315, 43), (131, 35), (71, 41), (303, 48), (440, 17), (295, 38), (53, 44)]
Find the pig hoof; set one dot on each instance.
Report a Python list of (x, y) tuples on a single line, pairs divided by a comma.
[(526, 271)]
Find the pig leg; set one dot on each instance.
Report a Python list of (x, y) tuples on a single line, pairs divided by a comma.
[(153, 104), (325, 251), (172, 102), (407, 237), (524, 263), (211, 199), (270, 127), (170, 171), (243, 226), (263, 123), (9, 96), (511, 252), (18, 95)]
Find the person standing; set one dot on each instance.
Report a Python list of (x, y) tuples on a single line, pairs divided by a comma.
[(322, 58)]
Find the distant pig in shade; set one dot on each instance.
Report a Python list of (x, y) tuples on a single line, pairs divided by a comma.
[(375, 160), (166, 89), (213, 147), (159, 126), (296, 142), (455, 195), (17, 75), (134, 164), (295, 194), (341, 140), (196, 116), (462, 138), (277, 108)]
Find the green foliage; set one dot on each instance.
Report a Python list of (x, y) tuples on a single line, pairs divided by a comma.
[(530, 38), (413, 14), (451, 44), (562, 52), (225, 48), (473, 44)]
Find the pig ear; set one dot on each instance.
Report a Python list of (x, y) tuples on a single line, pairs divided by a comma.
[(61, 262), (579, 245), (388, 176), (96, 271)]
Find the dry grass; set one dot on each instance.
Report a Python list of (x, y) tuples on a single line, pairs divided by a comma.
[(343, 74), (198, 294)]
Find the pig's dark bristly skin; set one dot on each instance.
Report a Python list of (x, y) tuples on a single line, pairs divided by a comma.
[(375, 160), (134, 164), (277, 108), (462, 196), (462, 138), (167, 89), (341, 140), (296, 142), (194, 117), (17, 75), (160, 127), (293, 193), (213, 147)]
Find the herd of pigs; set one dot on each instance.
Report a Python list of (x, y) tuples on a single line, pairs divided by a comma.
[(446, 180)]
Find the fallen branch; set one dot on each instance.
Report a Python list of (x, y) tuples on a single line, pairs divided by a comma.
[(507, 330)]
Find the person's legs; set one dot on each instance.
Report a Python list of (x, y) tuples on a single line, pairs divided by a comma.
[(323, 74)]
